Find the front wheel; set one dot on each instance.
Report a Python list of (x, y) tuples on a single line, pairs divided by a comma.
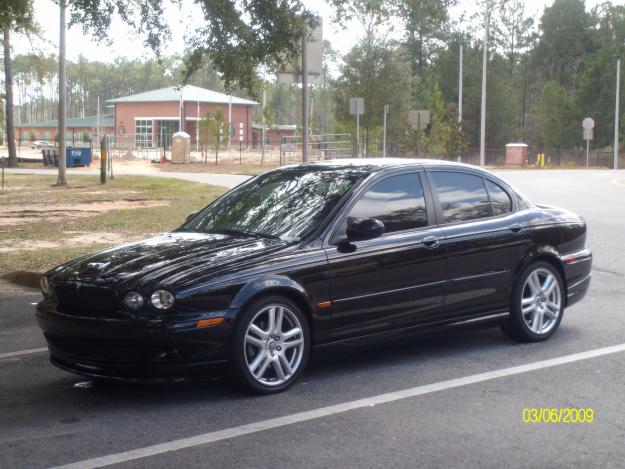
[(537, 304), (271, 346)]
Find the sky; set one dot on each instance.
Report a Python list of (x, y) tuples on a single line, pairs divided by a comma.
[(126, 44)]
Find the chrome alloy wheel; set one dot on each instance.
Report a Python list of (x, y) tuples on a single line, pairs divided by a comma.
[(274, 345), (541, 301)]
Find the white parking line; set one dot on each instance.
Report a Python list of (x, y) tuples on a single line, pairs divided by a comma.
[(19, 353), (263, 425)]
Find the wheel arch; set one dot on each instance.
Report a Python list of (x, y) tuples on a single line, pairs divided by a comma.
[(550, 256), (276, 285)]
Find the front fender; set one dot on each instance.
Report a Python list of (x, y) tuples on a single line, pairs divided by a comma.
[(269, 284)]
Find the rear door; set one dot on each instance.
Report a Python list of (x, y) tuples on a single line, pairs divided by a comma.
[(396, 280), (486, 238)]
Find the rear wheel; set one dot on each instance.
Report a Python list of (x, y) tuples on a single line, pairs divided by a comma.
[(537, 304), (271, 345)]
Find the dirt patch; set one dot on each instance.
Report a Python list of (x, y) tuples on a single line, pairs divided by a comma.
[(70, 238), (29, 213)]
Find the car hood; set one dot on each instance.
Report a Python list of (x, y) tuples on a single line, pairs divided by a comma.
[(169, 260)]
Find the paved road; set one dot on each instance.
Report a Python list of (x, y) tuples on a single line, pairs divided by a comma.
[(472, 421)]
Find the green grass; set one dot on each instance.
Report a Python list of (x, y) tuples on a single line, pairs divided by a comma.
[(180, 197)]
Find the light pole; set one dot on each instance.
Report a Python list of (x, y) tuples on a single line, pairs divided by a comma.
[(460, 87), (616, 111), (484, 62), (384, 134), (304, 98), (61, 179)]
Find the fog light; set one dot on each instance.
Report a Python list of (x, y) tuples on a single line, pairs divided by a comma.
[(133, 300), (162, 299)]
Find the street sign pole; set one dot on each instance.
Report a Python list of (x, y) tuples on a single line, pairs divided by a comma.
[(588, 124)]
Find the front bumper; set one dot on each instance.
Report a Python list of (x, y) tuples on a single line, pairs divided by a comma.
[(135, 350)]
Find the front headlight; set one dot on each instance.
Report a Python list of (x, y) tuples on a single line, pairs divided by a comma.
[(133, 300), (162, 299), (45, 285)]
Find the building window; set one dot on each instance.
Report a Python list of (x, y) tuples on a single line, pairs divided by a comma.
[(143, 131), (164, 130), (25, 136), (46, 135)]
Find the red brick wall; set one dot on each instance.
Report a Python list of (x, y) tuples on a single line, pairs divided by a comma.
[(125, 114)]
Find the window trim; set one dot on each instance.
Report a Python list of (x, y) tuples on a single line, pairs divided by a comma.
[(483, 177), (334, 226)]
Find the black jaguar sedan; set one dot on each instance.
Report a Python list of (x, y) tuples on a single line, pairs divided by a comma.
[(311, 256)]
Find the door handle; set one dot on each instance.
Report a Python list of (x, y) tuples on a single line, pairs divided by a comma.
[(431, 242), (516, 228)]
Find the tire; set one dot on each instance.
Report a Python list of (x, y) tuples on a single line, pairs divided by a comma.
[(266, 359), (538, 301)]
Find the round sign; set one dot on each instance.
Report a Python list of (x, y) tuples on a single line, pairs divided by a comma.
[(588, 123)]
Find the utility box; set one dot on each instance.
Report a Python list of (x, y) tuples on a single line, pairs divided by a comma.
[(75, 156), (516, 154), (181, 148)]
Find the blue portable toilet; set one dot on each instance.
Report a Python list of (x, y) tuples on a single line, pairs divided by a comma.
[(75, 156)]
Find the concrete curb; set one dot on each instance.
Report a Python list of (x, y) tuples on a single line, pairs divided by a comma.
[(24, 278)]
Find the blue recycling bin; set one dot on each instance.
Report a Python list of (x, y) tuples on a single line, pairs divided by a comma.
[(75, 156)]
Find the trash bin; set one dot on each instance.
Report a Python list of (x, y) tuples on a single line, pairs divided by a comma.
[(75, 156)]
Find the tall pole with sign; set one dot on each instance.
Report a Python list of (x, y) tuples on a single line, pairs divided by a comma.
[(357, 107), (588, 124), (616, 111)]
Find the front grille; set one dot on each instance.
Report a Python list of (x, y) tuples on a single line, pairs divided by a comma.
[(101, 351), (80, 299)]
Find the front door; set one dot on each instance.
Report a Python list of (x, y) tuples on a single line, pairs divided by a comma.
[(396, 280)]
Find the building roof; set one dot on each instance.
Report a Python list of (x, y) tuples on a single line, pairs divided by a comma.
[(186, 93), (91, 121)]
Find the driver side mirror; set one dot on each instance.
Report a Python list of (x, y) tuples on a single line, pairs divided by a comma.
[(362, 229), (190, 215)]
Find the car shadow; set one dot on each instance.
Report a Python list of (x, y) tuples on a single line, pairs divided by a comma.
[(326, 365)]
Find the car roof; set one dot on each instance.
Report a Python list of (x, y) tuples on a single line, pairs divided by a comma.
[(376, 164)]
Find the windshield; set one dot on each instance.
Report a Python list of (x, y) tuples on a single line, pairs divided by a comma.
[(285, 204)]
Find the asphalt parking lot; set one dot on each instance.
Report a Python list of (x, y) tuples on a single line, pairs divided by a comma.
[(450, 401)]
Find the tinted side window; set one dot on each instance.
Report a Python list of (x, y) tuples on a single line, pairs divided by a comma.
[(396, 201), (499, 198), (462, 196)]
